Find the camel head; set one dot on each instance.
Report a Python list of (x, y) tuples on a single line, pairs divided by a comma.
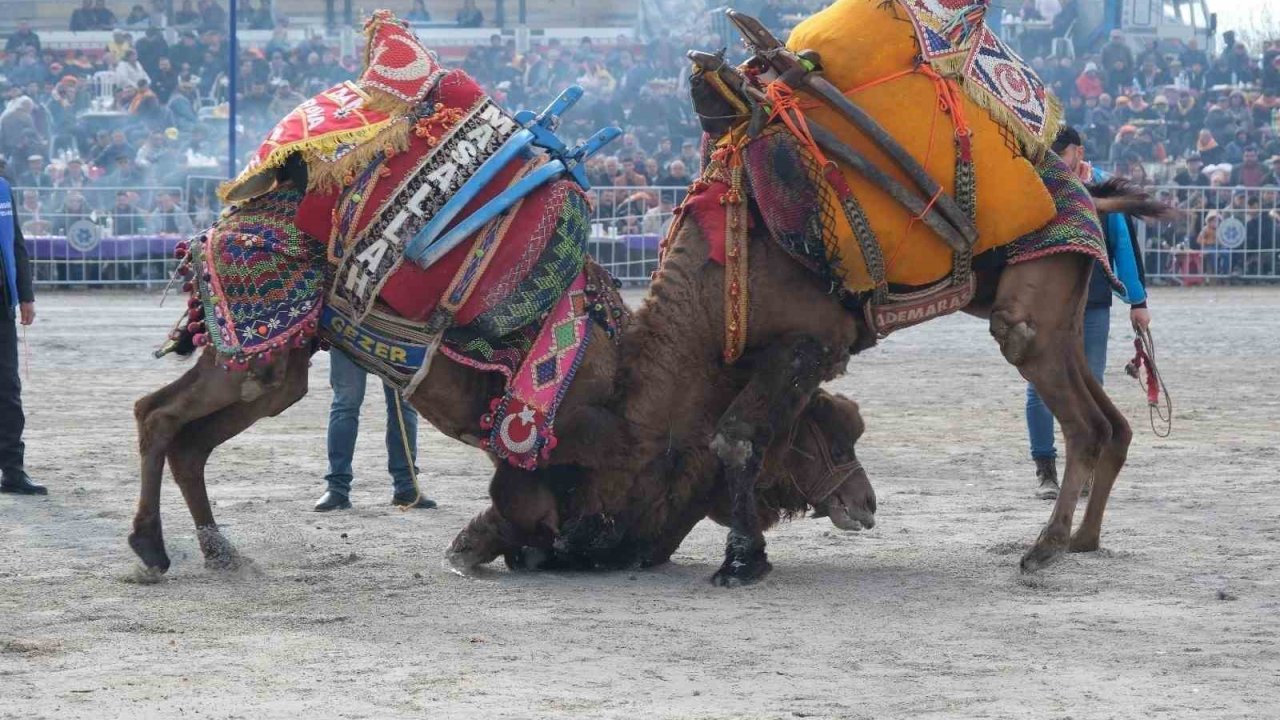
[(836, 484)]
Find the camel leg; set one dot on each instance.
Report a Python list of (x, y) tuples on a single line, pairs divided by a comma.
[(189, 452), (202, 390), (1038, 321), (782, 381), (1109, 465)]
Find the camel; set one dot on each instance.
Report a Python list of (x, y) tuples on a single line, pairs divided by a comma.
[(183, 422)]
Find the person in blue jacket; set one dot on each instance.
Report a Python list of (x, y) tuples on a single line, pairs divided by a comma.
[(1124, 254), (15, 295)]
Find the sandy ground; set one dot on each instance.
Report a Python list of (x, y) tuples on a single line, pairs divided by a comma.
[(352, 614)]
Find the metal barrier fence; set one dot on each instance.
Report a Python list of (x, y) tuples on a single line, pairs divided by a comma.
[(103, 235), (1219, 235)]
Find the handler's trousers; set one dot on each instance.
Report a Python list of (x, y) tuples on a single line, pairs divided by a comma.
[(12, 419), (348, 382), (1097, 326)]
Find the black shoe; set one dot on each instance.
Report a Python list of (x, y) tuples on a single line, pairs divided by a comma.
[(332, 501), (413, 501), (19, 483), (1047, 474)]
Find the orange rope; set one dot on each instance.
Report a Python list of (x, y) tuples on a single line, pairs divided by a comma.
[(787, 107)]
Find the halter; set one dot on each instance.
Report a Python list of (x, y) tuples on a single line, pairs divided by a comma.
[(1159, 402)]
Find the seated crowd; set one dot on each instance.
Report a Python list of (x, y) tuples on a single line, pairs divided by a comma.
[(144, 112)]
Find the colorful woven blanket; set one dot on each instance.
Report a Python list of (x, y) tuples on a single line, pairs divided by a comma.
[(870, 50), (257, 282), (1076, 227), (955, 40)]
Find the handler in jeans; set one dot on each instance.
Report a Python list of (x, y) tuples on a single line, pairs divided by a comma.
[(1123, 253), (348, 382), (15, 294)]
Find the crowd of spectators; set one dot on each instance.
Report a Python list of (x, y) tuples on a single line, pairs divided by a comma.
[(148, 109)]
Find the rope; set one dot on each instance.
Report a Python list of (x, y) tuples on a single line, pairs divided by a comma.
[(1159, 402), (408, 453), (788, 108)]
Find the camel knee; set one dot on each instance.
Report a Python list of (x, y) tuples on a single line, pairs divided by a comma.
[(1015, 337), (1090, 438)]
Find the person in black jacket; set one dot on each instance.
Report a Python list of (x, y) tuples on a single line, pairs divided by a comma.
[(15, 294)]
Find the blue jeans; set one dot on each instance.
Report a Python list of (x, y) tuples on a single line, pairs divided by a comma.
[(348, 380), (1097, 326)]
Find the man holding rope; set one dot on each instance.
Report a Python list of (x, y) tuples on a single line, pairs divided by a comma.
[(15, 295), (1124, 255)]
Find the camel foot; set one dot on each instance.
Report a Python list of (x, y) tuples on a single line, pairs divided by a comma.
[(745, 563), (1083, 543), (219, 553), (1041, 555), (149, 546), (471, 549)]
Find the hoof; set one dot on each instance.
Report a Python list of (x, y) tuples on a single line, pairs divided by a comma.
[(1081, 544), (219, 553), (737, 574), (150, 548), (528, 558), (464, 563), (1041, 555)]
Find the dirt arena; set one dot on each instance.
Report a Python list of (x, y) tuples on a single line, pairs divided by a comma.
[(352, 614)]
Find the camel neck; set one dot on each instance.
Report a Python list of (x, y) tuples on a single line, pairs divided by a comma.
[(671, 351)]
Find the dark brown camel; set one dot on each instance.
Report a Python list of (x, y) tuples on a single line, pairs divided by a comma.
[(718, 427), (186, 420), (804, 336)]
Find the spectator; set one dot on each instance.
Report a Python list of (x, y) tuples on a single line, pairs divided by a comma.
[(213, 17), (1089, 83), (103, 18), (169, 218), (74, 209), (150, 49), (1126, 144), (469, 16), (1208, 148), (33, 174), (138, 17), (34, 221), (1191, 174), (23, 37), (1250, 172), (419, 13), (1234, 152), (186, 16), (17, 126), (181, 107), (126, 219), (1117, 59), (129, 71), (82, 18)]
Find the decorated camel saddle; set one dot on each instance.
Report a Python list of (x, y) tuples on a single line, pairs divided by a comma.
[(887, 145), (432, 221)]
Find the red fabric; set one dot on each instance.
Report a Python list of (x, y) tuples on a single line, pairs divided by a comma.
[(705, 209)]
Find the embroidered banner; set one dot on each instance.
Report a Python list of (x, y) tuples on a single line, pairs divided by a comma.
[(522, 422), (319, 126), (379, 248)]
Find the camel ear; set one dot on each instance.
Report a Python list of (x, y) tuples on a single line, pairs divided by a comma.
[(1117, 195)]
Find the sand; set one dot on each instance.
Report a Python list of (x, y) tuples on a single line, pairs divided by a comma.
[(352, 614)]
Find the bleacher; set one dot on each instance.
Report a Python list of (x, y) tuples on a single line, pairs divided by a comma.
[(47, 16)]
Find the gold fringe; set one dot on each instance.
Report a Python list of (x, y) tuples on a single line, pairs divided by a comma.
[(326, 176), (327, 143), (1033, 146), (384, 102)]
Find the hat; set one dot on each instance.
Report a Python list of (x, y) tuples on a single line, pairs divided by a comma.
[(1274, 159), (1091, 67), (1123, 100), (1160, 100), (1128, 129), (1194, 157), (34, 157)]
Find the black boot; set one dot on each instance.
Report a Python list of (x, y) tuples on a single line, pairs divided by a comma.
[(413, 501), (1047, 474), (332, 501), (19, 483)]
